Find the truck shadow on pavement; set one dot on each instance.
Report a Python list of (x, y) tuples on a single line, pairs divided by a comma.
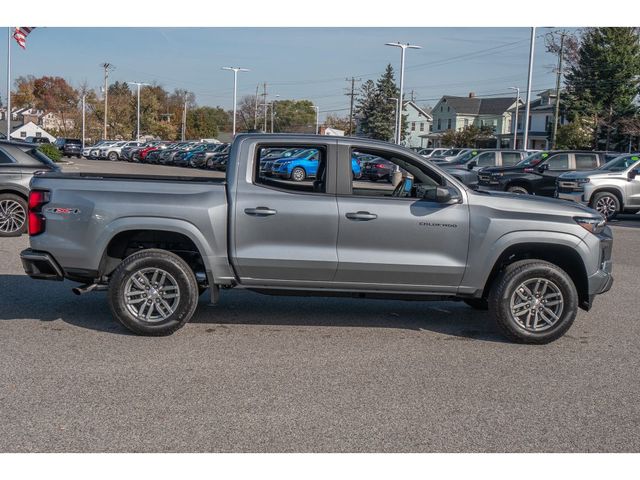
[(23, 299)]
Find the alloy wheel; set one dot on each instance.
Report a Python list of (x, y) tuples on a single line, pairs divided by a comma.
[(151, 295), (537, 304), (606, 206), (12, 216)]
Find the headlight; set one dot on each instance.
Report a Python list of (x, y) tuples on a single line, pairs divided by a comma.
[(497, 174), (580, 181), (592, 224)]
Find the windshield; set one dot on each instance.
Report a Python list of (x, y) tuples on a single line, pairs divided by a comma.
[(620, 163), (465, 157), (449, 153), (533, 159)]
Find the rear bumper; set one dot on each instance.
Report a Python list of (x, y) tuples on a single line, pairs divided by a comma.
[(40, 265)]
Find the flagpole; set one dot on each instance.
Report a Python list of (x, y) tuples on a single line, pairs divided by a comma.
[(9, 83)]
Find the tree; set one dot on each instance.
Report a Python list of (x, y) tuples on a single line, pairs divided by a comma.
[(577, 135), (468, 137), (23, 96), (603, 81), (334, 121), (206, 122), (376, 108), (294, 116), (122, 111)]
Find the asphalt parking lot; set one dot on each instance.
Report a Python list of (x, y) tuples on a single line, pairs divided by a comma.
[(259, 373)]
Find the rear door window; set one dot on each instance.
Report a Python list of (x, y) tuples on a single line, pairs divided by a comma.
[(510, 158), (559, 162), (486, 159), (4, 158), (586, 161)]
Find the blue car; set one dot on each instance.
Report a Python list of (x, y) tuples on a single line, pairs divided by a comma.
[(305, 165)]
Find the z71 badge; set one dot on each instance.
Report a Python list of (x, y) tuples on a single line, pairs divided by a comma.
[(62, 210)]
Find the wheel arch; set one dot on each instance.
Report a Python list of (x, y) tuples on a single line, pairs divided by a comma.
[(613, 190), (24, 194), (563, 256)]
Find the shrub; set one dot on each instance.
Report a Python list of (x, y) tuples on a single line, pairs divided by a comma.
[(51, 151)]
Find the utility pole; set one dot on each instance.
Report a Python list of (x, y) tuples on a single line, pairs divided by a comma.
[(264, 98), (184, 120), (528, 106), (9, 40), (255, 110), (351, 94), (107, 68), (317, 109), (556, 114)]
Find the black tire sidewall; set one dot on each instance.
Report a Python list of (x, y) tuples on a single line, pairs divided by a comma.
[(500, 298), (172, 264), (23, 203)]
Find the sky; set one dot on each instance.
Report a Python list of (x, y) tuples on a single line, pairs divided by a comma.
[(296, 63)]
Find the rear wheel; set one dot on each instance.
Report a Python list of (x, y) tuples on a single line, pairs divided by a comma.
[(113, 156), (533, 302), (153, 292), (13, 215), (519, 189), (607, 204)]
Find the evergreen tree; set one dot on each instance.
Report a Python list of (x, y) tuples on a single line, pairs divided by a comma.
[(603, 82), (365, 107)]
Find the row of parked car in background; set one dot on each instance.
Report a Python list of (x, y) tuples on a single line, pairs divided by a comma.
[(589, 177)]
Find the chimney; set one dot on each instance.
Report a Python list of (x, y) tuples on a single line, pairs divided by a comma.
[(472, 95)]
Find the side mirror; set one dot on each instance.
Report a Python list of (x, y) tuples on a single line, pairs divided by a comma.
[(543, 168), (471, 165), (632, 174), (443, 194)]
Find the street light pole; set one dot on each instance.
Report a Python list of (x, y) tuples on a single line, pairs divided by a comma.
[(515, 121), (528, 105), (83, 118), (139, 84), (317, 109), (403, 47), (395, 126), (235, 71)]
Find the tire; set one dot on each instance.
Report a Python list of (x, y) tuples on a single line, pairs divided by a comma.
[(607, 205), (520, 282), (477, 303), (298, 174), (13, 215), (170, 309), (113, 156), (518, 189)]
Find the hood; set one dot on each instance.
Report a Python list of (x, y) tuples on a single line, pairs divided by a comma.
[(590, 174), (512, 169), (535, 204)]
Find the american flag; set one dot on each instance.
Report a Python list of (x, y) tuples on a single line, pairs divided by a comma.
[(20, 35)]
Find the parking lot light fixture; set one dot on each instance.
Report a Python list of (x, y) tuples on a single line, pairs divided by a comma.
[(139, 84), (515, 120), (235, 71), (403, 47)]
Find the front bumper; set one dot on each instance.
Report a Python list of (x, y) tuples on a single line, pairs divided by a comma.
[(40, 265), (577, 197), (601, 281)]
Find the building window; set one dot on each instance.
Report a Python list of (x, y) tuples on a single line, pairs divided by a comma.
[(413, 126), (448, 109), (546, 122), (431, 127), (441, 108), (466, 122), (439, 124), (449, 124), (38, 134), (422, 126), (529, 122), (23, 134)]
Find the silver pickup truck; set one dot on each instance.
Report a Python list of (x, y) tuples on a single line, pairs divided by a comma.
[(156, 242)]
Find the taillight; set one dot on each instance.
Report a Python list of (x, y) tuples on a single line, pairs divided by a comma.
[(529, 170), (37, 222), (380, 165)]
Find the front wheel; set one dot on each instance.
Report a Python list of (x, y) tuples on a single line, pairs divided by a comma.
[(533, 301), (153, 292), (518, 189), (607, 204), (113, 156)]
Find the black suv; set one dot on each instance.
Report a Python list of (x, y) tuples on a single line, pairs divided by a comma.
[(537, 173), (70, 147)]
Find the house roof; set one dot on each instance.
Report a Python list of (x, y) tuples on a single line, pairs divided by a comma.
[(479, 106), (422, 111)]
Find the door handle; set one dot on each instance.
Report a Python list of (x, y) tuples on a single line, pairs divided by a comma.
[(260, 211), (361, 216)]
